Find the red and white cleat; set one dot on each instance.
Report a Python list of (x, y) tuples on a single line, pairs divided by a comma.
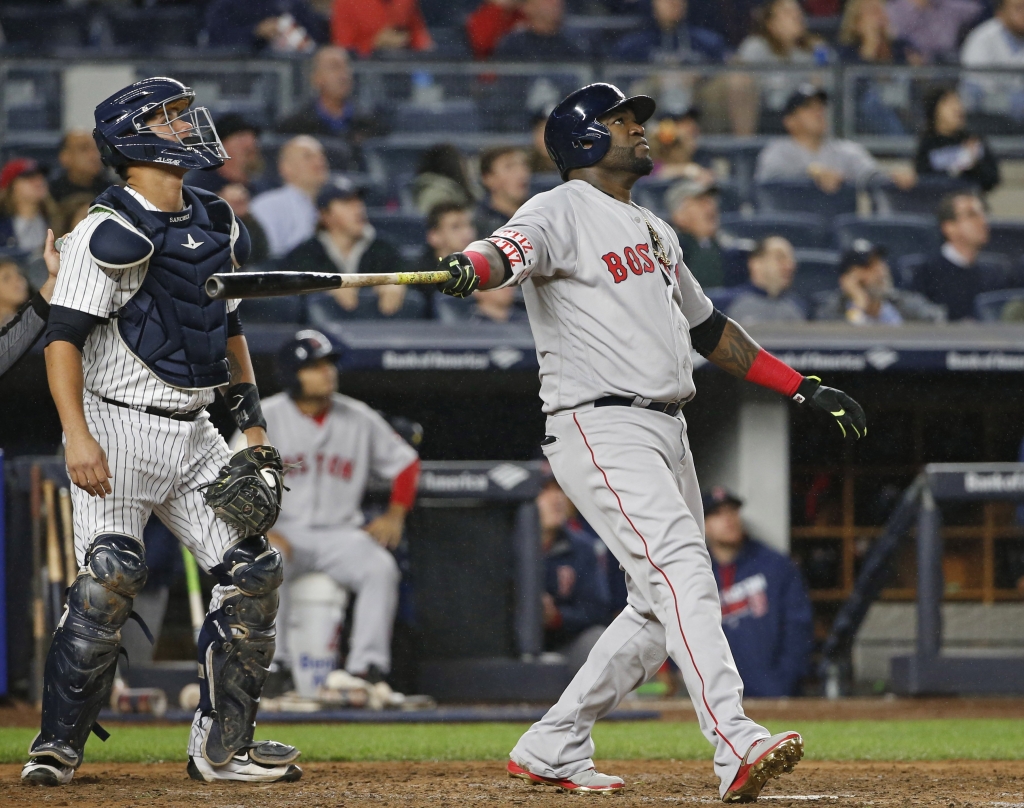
[(589, 781), (765, 759)]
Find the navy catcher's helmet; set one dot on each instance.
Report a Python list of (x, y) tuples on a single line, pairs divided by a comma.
[(574, 138), (306, 347), (123, 137)]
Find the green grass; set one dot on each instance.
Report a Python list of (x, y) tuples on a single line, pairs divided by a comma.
[(979, 739)]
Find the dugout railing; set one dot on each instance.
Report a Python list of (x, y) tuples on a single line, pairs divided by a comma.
[(928, 670)]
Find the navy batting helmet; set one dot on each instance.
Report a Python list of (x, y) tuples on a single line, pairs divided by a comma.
[(306, 347), (574, 138), (123, 136)]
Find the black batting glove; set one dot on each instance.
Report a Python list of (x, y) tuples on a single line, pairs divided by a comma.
[(847, 412), (464, 280)]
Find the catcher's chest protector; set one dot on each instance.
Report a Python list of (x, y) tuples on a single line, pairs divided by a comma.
[(170, 323)]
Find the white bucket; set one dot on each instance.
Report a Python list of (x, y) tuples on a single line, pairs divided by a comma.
[(315, 613)]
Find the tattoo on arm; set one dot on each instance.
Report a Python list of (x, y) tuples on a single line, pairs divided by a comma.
[(736, 351), (234, 367)]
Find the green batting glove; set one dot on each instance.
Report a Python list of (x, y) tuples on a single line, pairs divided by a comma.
[(847, 412), (464, 279)]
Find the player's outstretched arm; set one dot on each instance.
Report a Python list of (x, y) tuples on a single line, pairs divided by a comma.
[(725, 343)]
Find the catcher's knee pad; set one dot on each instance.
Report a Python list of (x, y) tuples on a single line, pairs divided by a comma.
[(82, 660), (236, 647)]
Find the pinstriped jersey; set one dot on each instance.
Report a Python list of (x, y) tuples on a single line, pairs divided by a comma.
[(610, 300), (110, 369)]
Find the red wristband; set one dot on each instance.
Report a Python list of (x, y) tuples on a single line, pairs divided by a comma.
[(481, 266), (774, 374)]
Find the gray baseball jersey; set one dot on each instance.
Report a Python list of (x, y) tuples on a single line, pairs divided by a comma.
[(332, 460), (608, 318)]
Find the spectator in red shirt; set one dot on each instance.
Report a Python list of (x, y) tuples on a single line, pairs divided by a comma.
[(365, 26), (490, 22)]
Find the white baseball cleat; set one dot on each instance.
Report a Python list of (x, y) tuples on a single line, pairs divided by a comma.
[(244, 768), (590, 781), (765, 759), (47, 771)]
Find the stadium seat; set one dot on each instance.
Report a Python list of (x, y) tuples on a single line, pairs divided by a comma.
[(900, 234), (144, 29), (923, 198), (274, 309), (988, 306), (1006, 238), (444, 116), (804, 196), (39, 29), (722, 296), (816, 271), (802, 230), (905, 268), (401, 229)]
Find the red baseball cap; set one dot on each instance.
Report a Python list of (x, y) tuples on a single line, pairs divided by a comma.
[(18, 167)]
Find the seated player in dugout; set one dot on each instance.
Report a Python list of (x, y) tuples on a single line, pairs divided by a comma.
[(615, 313), (135, 352), (575, 598), (766, 613), (331, 444)]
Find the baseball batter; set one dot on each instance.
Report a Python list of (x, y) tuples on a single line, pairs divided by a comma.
[(135, 350), (614, 313), (331, 444)]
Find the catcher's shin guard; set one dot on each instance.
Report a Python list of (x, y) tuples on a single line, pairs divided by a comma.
[(81, 664), (236, 646)]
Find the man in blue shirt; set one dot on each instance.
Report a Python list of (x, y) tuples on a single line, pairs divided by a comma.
[(542, 37), (766, 613), (667, 39)]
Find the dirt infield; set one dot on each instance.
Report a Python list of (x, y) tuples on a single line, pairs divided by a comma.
[(411, 785)]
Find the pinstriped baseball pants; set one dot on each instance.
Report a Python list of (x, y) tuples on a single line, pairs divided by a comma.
[(158, 465), (629, 473)]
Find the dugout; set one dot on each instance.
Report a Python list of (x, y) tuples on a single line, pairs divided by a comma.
[(933, 394)]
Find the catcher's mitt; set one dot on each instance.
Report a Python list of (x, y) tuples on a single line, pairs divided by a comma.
[(247, 493)]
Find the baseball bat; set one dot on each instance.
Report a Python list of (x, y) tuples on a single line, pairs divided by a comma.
[(195, 593), (38, 598), (70, 558), (54, 567), (275, 284)]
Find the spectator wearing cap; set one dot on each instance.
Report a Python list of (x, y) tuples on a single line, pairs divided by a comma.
[(240, 139), (489, 22), (505, 175), (692, 204), (808, 151), (866, 295), (954, 276), (375, 26), (26, 209), (288, 215), (766, 613), (948, 148), (345, 242), (933, 27), (668, 40), (331, 111), (540, 37), (767, 298), (674, 146), (575, 601), (253, 26), (81, 170)]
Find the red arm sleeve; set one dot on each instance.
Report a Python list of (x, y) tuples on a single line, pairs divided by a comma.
[(403, 487), (774, 374)]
